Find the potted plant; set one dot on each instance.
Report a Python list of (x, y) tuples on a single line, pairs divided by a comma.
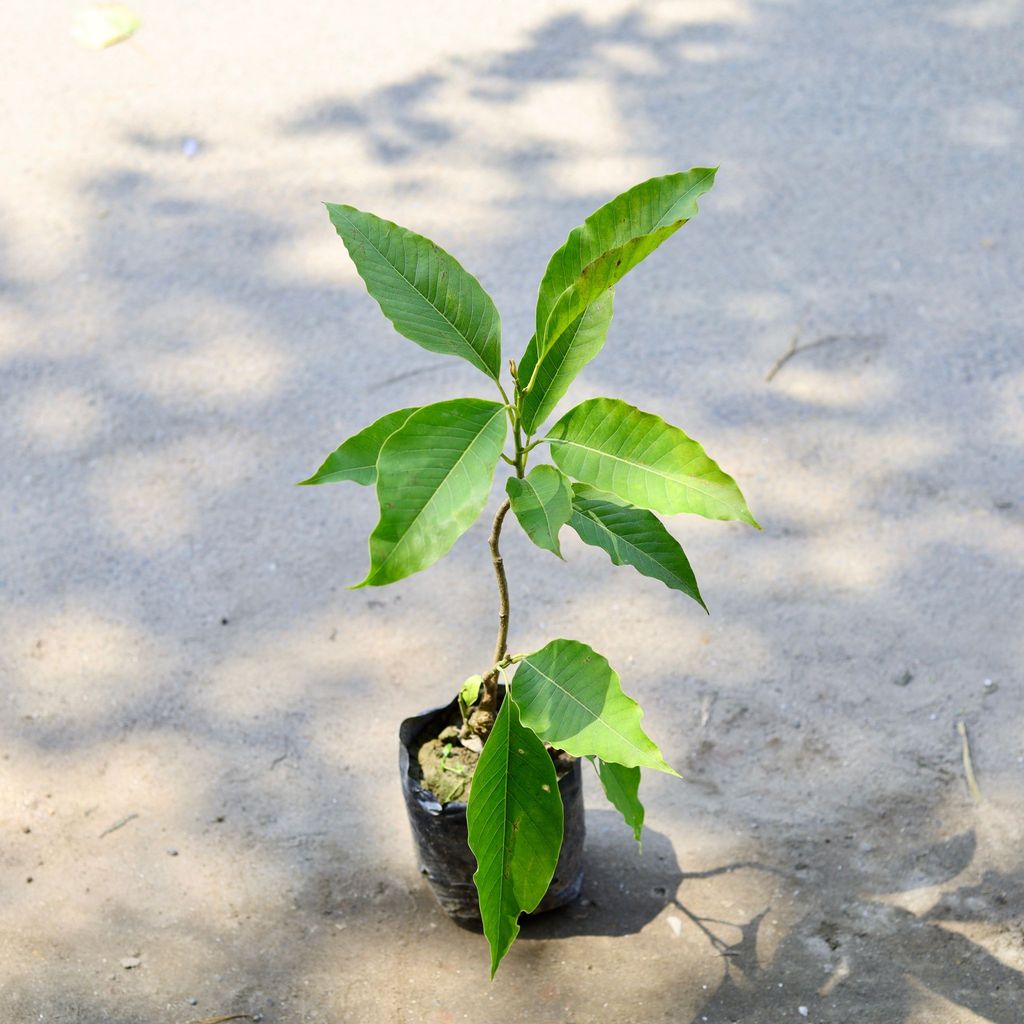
[(513, 736)]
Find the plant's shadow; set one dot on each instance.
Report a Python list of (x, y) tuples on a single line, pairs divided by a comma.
[(625, 887)]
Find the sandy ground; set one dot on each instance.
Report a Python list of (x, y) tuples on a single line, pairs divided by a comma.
[(198, 722)]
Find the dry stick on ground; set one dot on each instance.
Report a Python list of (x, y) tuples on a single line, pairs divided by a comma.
[(223, 1020), (120, 823), (795, 348), (794, 344), (965, 751)]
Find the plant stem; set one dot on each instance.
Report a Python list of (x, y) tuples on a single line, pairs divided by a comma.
[(489, 702), (489, 699), (501, 645)]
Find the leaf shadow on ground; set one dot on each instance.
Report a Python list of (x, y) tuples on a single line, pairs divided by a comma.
[(201, 341)]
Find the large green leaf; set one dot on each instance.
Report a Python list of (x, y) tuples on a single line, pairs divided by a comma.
[(571, 351), (632, 536), (421, 289), (434, 475), (621, 786), (515, 827), (570, 697), (610, 242), (356, 458), (542, 502), (643, 460)]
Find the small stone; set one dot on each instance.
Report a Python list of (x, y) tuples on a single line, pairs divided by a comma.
[(172, 852), (193, 1001), (131, 962), (802, 1010)]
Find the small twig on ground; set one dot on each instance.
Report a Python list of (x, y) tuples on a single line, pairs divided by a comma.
[(965, 746), (795, 348), (120, 823), (222, 1020)]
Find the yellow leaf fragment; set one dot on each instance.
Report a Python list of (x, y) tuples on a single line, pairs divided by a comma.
[(103, 25)]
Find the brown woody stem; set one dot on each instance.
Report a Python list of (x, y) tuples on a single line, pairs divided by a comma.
[(489, 701)]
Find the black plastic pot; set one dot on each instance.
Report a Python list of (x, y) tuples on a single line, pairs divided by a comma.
[(439, 832)]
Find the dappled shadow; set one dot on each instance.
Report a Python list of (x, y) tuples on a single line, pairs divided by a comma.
[(178, 645), (873, 953)]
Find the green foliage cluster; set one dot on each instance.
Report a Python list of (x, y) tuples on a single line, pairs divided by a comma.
[(614, 467)]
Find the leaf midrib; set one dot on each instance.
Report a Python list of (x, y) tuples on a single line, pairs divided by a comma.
[(658, 226), (500, 411), (477, 357), (643, 555), (642, 466), (552, 533), (554, 371), (573, 697)]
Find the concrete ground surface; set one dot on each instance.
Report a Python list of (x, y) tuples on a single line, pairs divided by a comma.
[(199, 805)]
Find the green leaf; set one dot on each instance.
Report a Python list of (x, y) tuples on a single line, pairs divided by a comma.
[(612, 241), (571, 351), (434, 475), (515, 827), (571, 698), (542, 502), (643, 460), (469, 693), (621, 786), (356, 458), (421, 289), (632, 536)]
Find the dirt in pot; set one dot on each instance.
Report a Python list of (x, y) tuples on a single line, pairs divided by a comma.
[(447, 762)]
